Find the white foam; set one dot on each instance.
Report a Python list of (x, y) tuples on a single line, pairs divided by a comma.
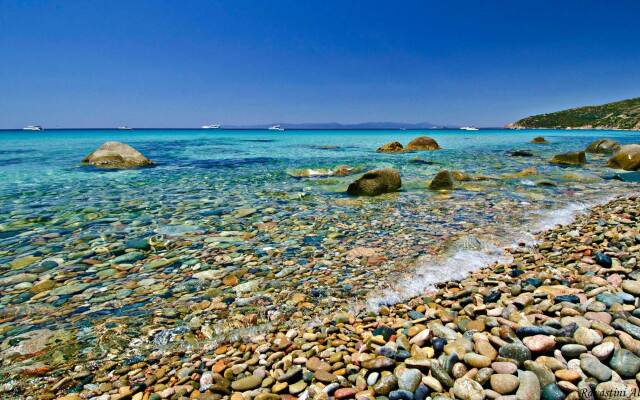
[(460, 260)]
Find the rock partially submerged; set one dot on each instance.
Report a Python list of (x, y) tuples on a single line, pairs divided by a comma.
[(391, 147), (627, 158), (376, 182), (603, 146), (442, 181), (423, 143), (340, 170), (116, 155), (539, 140), (570, 158)]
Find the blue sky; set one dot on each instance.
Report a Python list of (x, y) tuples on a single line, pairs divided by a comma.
[(185, 63)]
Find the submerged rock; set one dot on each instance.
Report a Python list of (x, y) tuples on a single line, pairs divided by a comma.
[(116, 155), (603, 146), (391, 147), (376, 182), (627, 158), (570, 158), (422, 143), (538, 140), (442, 181)]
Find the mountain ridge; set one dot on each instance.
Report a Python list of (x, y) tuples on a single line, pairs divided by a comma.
[(623, 114)]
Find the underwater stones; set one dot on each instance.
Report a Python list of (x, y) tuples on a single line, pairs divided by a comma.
[(376, 182), (539, 140), (28, 343), (116, 155), (391, 147), (422, 143), (603, 146), (627, 157), (570, 158), (442, 181)]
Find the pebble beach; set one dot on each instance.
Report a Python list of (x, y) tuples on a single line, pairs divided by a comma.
[(233, 282)]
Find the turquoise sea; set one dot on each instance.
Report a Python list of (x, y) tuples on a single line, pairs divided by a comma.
[(226, 233)]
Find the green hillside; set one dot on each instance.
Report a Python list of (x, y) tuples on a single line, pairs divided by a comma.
[(623, 114)]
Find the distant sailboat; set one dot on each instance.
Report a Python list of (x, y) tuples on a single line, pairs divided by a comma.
[(125, 128), (469, 128), (37, 128), (212, 126), (276, 128)]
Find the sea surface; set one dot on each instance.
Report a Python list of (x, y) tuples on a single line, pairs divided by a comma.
[(228, 234)]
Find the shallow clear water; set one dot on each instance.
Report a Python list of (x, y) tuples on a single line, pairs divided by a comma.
[(226, 202)]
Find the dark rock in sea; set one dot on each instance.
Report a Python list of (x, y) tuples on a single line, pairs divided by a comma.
[(521, 153), (422, 143), (417, 160), (442, 181), (633, 177), (539, 140), (627, 158), (603, 146), (139, 244), (391, 147), (376, 182), (603, 260), (116, 155), (570, 158)]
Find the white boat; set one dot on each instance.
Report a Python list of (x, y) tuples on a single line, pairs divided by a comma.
[(33, 128), (276, 128), (212, 126), (125, 128), (469, 128)]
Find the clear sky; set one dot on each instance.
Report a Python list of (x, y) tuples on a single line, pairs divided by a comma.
[(183, 63)]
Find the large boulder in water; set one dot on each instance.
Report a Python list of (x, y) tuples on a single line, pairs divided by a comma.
[(442, 181), (539, 140), (391, 147), (422, 143), (627, 158), (116, 155), (571, 158), (603, 146), (376, 182)]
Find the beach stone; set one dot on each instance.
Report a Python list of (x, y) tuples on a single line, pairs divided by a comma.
[(401, 395), (544, 374), (570, 158), (441, 375), (376, 182), (538, 140), (567, 375), (421, 392), (378, 363), (613, 391), (627, 157), (515, 351), (573, 350), (477, 360), (628, 327), (325, 376), (247, 383), (593, 367), (552, 392), (391, 147), (442, 181), (539, 343), (422, 143), (467, 389), (529, 388), (587, 337), (385, 384), (301, 385), (504, 367), (116, 155), (504, 383), (632, 287), (603, 146), (409, 379), (625, 363)]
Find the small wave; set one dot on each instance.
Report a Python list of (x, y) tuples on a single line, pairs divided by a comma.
[(469, 254)]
